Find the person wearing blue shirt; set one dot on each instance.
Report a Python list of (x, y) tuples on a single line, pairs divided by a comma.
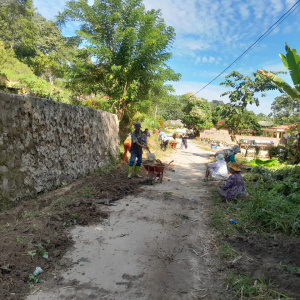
[(146, 135), (229, 154), (136, 150)]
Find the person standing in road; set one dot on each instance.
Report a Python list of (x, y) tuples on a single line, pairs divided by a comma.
[(184, 138), (136, 151)]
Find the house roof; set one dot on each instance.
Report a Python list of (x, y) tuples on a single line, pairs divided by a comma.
[(283, 126)]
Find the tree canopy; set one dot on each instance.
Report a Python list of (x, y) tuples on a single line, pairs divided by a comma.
[(286, 110), (197, 112), (125, 50), (244, 92)]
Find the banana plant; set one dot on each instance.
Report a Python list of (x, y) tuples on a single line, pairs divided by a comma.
[(292, 62)]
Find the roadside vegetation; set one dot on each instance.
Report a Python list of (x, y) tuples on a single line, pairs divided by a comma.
[(271, 213), (126, 73)]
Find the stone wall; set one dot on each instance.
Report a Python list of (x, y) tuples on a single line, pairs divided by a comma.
[(45, 144)]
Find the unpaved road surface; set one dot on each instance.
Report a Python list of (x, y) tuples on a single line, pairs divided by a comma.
[(156, 245)]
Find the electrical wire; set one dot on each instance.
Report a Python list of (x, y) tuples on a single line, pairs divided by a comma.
[(263, 36)]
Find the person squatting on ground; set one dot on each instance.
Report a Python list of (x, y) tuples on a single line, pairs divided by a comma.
[(217, 170), (184, 138), (136, 151), (229, 153), (127, 145), (234, 187), (164, 140)]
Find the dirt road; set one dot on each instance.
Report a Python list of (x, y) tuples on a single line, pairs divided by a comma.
[(157, 245)]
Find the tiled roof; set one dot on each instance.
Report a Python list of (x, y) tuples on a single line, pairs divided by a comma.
[(283, 126)]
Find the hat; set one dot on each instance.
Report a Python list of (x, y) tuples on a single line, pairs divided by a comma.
[(235, 167), (220, 157), (236, 149), (137, 125)]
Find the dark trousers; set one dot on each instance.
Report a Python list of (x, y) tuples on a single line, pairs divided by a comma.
[(164, 145), (184, 143)]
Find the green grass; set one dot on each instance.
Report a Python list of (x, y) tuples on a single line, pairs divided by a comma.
[(227, 252), (244, 287), (273, 207)]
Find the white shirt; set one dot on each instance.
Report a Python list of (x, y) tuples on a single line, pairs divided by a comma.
[(220, 168)]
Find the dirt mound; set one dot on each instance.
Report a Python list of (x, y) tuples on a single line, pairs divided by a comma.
[(34, 234), (156, 163), (274, 259)]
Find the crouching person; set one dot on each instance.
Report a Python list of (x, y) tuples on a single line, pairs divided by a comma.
[(217, 170), (234, 187)]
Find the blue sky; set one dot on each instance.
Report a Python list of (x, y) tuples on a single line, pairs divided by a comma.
[(210, 35)]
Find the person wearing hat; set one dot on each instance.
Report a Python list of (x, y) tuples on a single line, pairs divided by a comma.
[(234, 187), (229, 153), (217, 170), (136, 150)]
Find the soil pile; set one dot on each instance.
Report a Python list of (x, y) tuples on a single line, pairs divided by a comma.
[(34, 234), (155, 163)]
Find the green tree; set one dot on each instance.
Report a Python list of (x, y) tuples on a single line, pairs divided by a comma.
[(128, 46), (17, 28), (286, 110), (215, 103), (51, 54), (197, 112), (244, 92), (264, 117), (171, 108), (19, 76), (214, 112)]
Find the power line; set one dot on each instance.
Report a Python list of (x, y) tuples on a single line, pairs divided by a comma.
[(267, 32)]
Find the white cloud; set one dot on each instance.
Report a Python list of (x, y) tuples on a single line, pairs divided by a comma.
[(49, 9), (244, 10), (219, 24)]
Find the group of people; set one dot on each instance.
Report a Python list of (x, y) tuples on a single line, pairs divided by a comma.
[(234, 187), (165, 140)]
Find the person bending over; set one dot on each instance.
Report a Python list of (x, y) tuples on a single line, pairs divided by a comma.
[(217, 170), (229, 154), (164, 140)]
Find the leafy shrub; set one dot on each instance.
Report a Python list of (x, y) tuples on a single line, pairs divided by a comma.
[(273, 151), (275, 198)]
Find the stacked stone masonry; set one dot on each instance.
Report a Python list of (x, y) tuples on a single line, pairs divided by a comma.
[(45, 144)]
